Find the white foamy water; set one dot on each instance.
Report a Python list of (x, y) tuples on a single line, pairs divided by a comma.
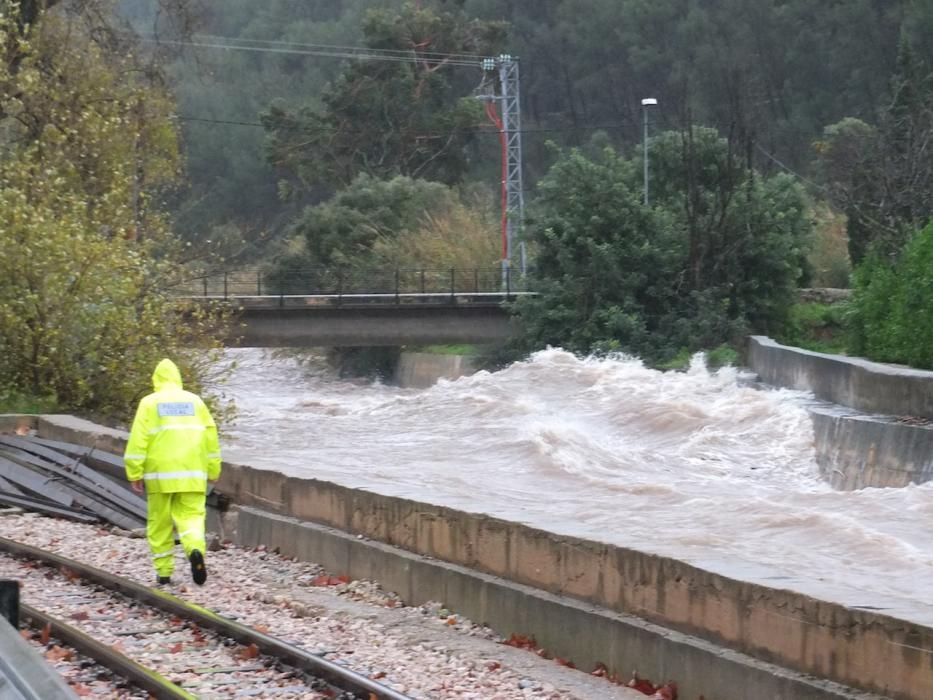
[(695, 465)]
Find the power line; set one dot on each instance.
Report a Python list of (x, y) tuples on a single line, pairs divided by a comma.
[(406, 53), (358, 53), (477, 129), (789, 169)]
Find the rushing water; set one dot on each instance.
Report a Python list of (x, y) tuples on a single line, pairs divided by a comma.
[(695, 465)]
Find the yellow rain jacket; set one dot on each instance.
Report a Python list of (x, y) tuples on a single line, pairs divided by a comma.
[(173, 444)]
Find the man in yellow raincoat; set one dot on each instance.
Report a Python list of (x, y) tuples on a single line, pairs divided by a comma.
[(173, 449)]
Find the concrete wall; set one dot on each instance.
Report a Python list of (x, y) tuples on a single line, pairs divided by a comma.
[(855, 450), (418, 370), (580, 632), (859, 450), (848, 381), (854, 647)]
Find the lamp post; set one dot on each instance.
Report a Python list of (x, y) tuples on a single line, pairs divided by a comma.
[(645, 104)]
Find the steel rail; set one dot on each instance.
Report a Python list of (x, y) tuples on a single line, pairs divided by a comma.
[(147, 679), (333, 673)]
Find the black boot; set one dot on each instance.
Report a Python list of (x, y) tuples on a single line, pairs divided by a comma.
[(198, 568), (163, 580)]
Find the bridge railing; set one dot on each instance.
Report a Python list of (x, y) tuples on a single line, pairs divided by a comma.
[(396, 285)]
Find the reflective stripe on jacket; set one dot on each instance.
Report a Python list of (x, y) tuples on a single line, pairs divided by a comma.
[(173, 444)]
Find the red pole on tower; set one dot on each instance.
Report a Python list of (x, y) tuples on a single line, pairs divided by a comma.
[(494, 117)]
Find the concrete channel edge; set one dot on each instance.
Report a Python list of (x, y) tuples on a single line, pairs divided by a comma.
[(876, 430), (583, 633)]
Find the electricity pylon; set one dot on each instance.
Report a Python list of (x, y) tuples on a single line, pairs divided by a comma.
[(506, 93)]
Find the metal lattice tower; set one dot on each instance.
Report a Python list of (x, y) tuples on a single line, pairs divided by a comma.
[(508, 97)]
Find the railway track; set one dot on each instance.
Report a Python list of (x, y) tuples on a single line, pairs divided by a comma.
[(164, 645)]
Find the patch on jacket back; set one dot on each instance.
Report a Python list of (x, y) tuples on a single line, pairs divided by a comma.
[(176, 408)]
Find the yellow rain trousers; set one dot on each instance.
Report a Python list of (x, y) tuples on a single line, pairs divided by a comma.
[(186, 511), (173, 447)]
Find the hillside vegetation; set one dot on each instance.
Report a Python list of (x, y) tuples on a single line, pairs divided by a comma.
[(146, 141)]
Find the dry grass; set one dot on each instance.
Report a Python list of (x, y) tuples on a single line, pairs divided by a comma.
[(462, 236)]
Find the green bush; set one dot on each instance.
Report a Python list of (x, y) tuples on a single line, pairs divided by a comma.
[(818, 327), (15, 402), (892, 309), (722, 356)]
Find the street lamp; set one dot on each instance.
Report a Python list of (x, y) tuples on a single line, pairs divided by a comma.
[(645, 104)]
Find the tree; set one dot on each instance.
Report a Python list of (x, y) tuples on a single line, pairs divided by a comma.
[(383, 118), (87, 263), (606, 267), (719, 251), (359, 230), (746, 234), (229, 201), (882, 177)]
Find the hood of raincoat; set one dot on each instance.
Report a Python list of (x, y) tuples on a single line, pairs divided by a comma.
[(166, 376)]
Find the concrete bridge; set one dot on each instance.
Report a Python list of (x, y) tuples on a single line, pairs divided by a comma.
[(327, 308), (369, 320)]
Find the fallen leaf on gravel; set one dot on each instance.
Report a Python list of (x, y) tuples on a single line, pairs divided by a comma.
[(250, 652), (520, 641), (80, 615), (82, 690), (58, 653)]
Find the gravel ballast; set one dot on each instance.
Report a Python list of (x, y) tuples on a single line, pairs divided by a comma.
[(426, 651)]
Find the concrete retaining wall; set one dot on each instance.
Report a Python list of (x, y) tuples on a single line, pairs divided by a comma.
[(848, 381), (855, 450), (854, 647), (418, 370), (858, 450), (567, 628)]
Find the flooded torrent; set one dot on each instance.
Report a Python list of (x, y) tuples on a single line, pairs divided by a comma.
[(697, 465)]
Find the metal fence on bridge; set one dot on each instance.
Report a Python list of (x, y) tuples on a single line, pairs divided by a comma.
[(399, 285)]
